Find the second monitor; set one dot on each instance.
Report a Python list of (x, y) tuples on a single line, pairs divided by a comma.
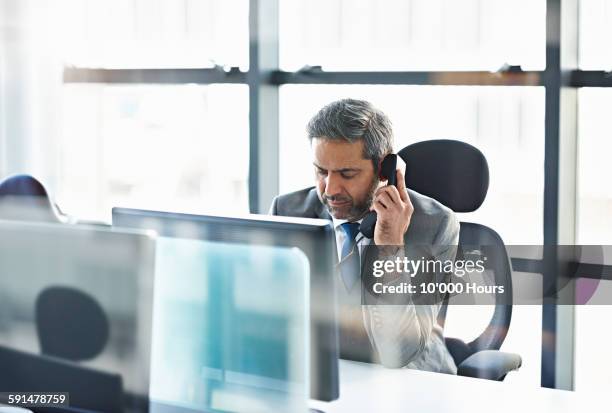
[(313, 236)]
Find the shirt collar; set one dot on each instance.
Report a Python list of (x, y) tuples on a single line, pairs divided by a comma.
[(338, 222)]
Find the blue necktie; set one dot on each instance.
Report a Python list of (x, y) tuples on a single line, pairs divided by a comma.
[(350, 267)]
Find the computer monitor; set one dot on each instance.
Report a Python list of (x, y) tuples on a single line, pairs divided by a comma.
[(314, 237), (76, 313), (230, 327)]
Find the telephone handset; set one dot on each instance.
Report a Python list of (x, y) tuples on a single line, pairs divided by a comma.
[(386, 171)]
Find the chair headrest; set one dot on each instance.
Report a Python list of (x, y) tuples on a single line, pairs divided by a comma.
[(23, 197), (70, 323), (453, 173)]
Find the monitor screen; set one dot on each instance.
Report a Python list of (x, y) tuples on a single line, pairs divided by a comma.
[(230, 327), (313, 237), (76, 313)]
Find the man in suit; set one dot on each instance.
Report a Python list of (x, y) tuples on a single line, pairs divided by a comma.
[(349, 138)]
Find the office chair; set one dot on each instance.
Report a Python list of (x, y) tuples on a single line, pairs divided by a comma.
[(23, 197), (72, 327), (456, 174)]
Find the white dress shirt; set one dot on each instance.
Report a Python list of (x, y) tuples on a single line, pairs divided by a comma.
[(341, 236)]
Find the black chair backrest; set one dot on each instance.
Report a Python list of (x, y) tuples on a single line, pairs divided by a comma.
[(23, 197), (456, 174), (70, 324), (88, 388), (453, 173)]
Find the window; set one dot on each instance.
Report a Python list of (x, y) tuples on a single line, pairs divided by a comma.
[(412, 34), (153, 33), (594, 226), (592, 372), (594, 212), (595, 31), (157, 147)]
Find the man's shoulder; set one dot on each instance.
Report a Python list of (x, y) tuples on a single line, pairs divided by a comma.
[(429, 218), (427, 206), (303, 203)]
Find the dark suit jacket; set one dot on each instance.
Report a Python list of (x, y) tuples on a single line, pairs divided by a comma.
[(403, 335), (431, 222)]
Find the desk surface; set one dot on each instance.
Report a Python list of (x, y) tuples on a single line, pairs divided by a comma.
[(372, 388)]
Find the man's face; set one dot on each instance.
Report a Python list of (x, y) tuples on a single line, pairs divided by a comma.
[(346, 182)]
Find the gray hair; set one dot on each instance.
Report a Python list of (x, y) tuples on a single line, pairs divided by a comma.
[(351, 120)]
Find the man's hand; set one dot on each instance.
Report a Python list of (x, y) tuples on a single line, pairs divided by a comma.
[(394, 211)]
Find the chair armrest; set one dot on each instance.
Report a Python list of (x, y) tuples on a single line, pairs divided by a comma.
[(489, 364)]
